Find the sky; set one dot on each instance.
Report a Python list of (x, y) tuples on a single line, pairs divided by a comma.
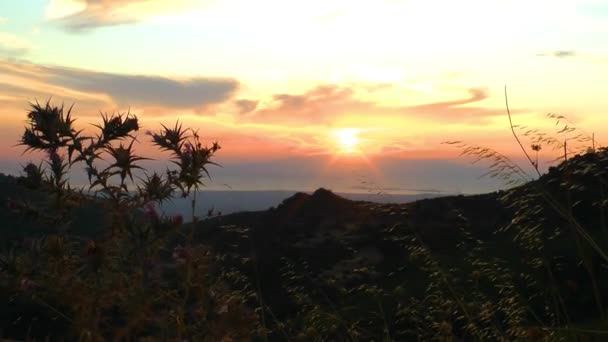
[(303, 94)]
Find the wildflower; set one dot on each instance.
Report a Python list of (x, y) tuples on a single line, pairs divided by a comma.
[(181, 255), (150, 211), (11, 204), (94, 255), (177, 220), (27, 285), (156, 188), (152, 270)]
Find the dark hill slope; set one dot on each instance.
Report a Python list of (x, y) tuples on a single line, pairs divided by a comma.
[(328, 239), (321, 252), (86, 220), (329, 244)]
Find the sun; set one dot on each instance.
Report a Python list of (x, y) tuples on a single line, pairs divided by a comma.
[(347, 140)]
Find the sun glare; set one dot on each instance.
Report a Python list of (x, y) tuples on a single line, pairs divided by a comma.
[(347, 140)]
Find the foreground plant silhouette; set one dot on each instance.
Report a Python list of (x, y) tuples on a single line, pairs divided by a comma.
[(141, 275), (527, 263), (558, 224)]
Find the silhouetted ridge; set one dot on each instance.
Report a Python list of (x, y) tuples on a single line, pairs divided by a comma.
[(325, 194), (579, 181), (324, 197), (321, 204), (296, 199)]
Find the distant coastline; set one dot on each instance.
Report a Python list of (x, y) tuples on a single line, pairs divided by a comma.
[(232, 201)]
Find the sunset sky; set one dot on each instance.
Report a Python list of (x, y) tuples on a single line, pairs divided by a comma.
[(302, 94)]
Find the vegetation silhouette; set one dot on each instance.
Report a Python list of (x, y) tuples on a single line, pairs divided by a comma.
[(101, 262)]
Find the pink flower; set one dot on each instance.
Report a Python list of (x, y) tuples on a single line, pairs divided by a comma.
[(11, 204), (27, 285), (177, 220), (181, 255), (150, 211)]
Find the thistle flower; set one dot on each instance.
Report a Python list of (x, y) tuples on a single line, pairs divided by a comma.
[(150, 211), (181, 255), (124, 160), (177, 220), (94, 255), (187, 148), (156, 188), (11, 204), (27, 285)]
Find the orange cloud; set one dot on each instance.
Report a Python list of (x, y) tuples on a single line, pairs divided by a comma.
[(281, 124), (318, 105), (323, 104), (456, 110)]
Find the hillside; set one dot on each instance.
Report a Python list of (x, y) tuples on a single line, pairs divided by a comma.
[(327, 247), (319, 254)]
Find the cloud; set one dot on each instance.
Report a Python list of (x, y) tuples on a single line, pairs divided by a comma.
[(147, 90), (246, 106), (559, 54), (323, 104), (455, 110), (120, 89), (83, 15), (317, 105), (12, 46)]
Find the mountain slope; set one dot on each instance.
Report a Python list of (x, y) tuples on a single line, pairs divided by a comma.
[(320, 260)]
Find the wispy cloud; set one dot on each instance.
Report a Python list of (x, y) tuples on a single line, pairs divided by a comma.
[(559, 54), (316, 105), (456, 110), (147, 90), (325, 103), (119, 89), (83, 15), (246, 106), (12, 46)]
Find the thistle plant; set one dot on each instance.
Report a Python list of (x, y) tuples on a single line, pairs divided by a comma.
[(139, 275)]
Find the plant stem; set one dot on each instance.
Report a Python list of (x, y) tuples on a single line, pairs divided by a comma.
[(515, 134)]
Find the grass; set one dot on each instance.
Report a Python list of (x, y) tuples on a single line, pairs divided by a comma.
[(527, 263)]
